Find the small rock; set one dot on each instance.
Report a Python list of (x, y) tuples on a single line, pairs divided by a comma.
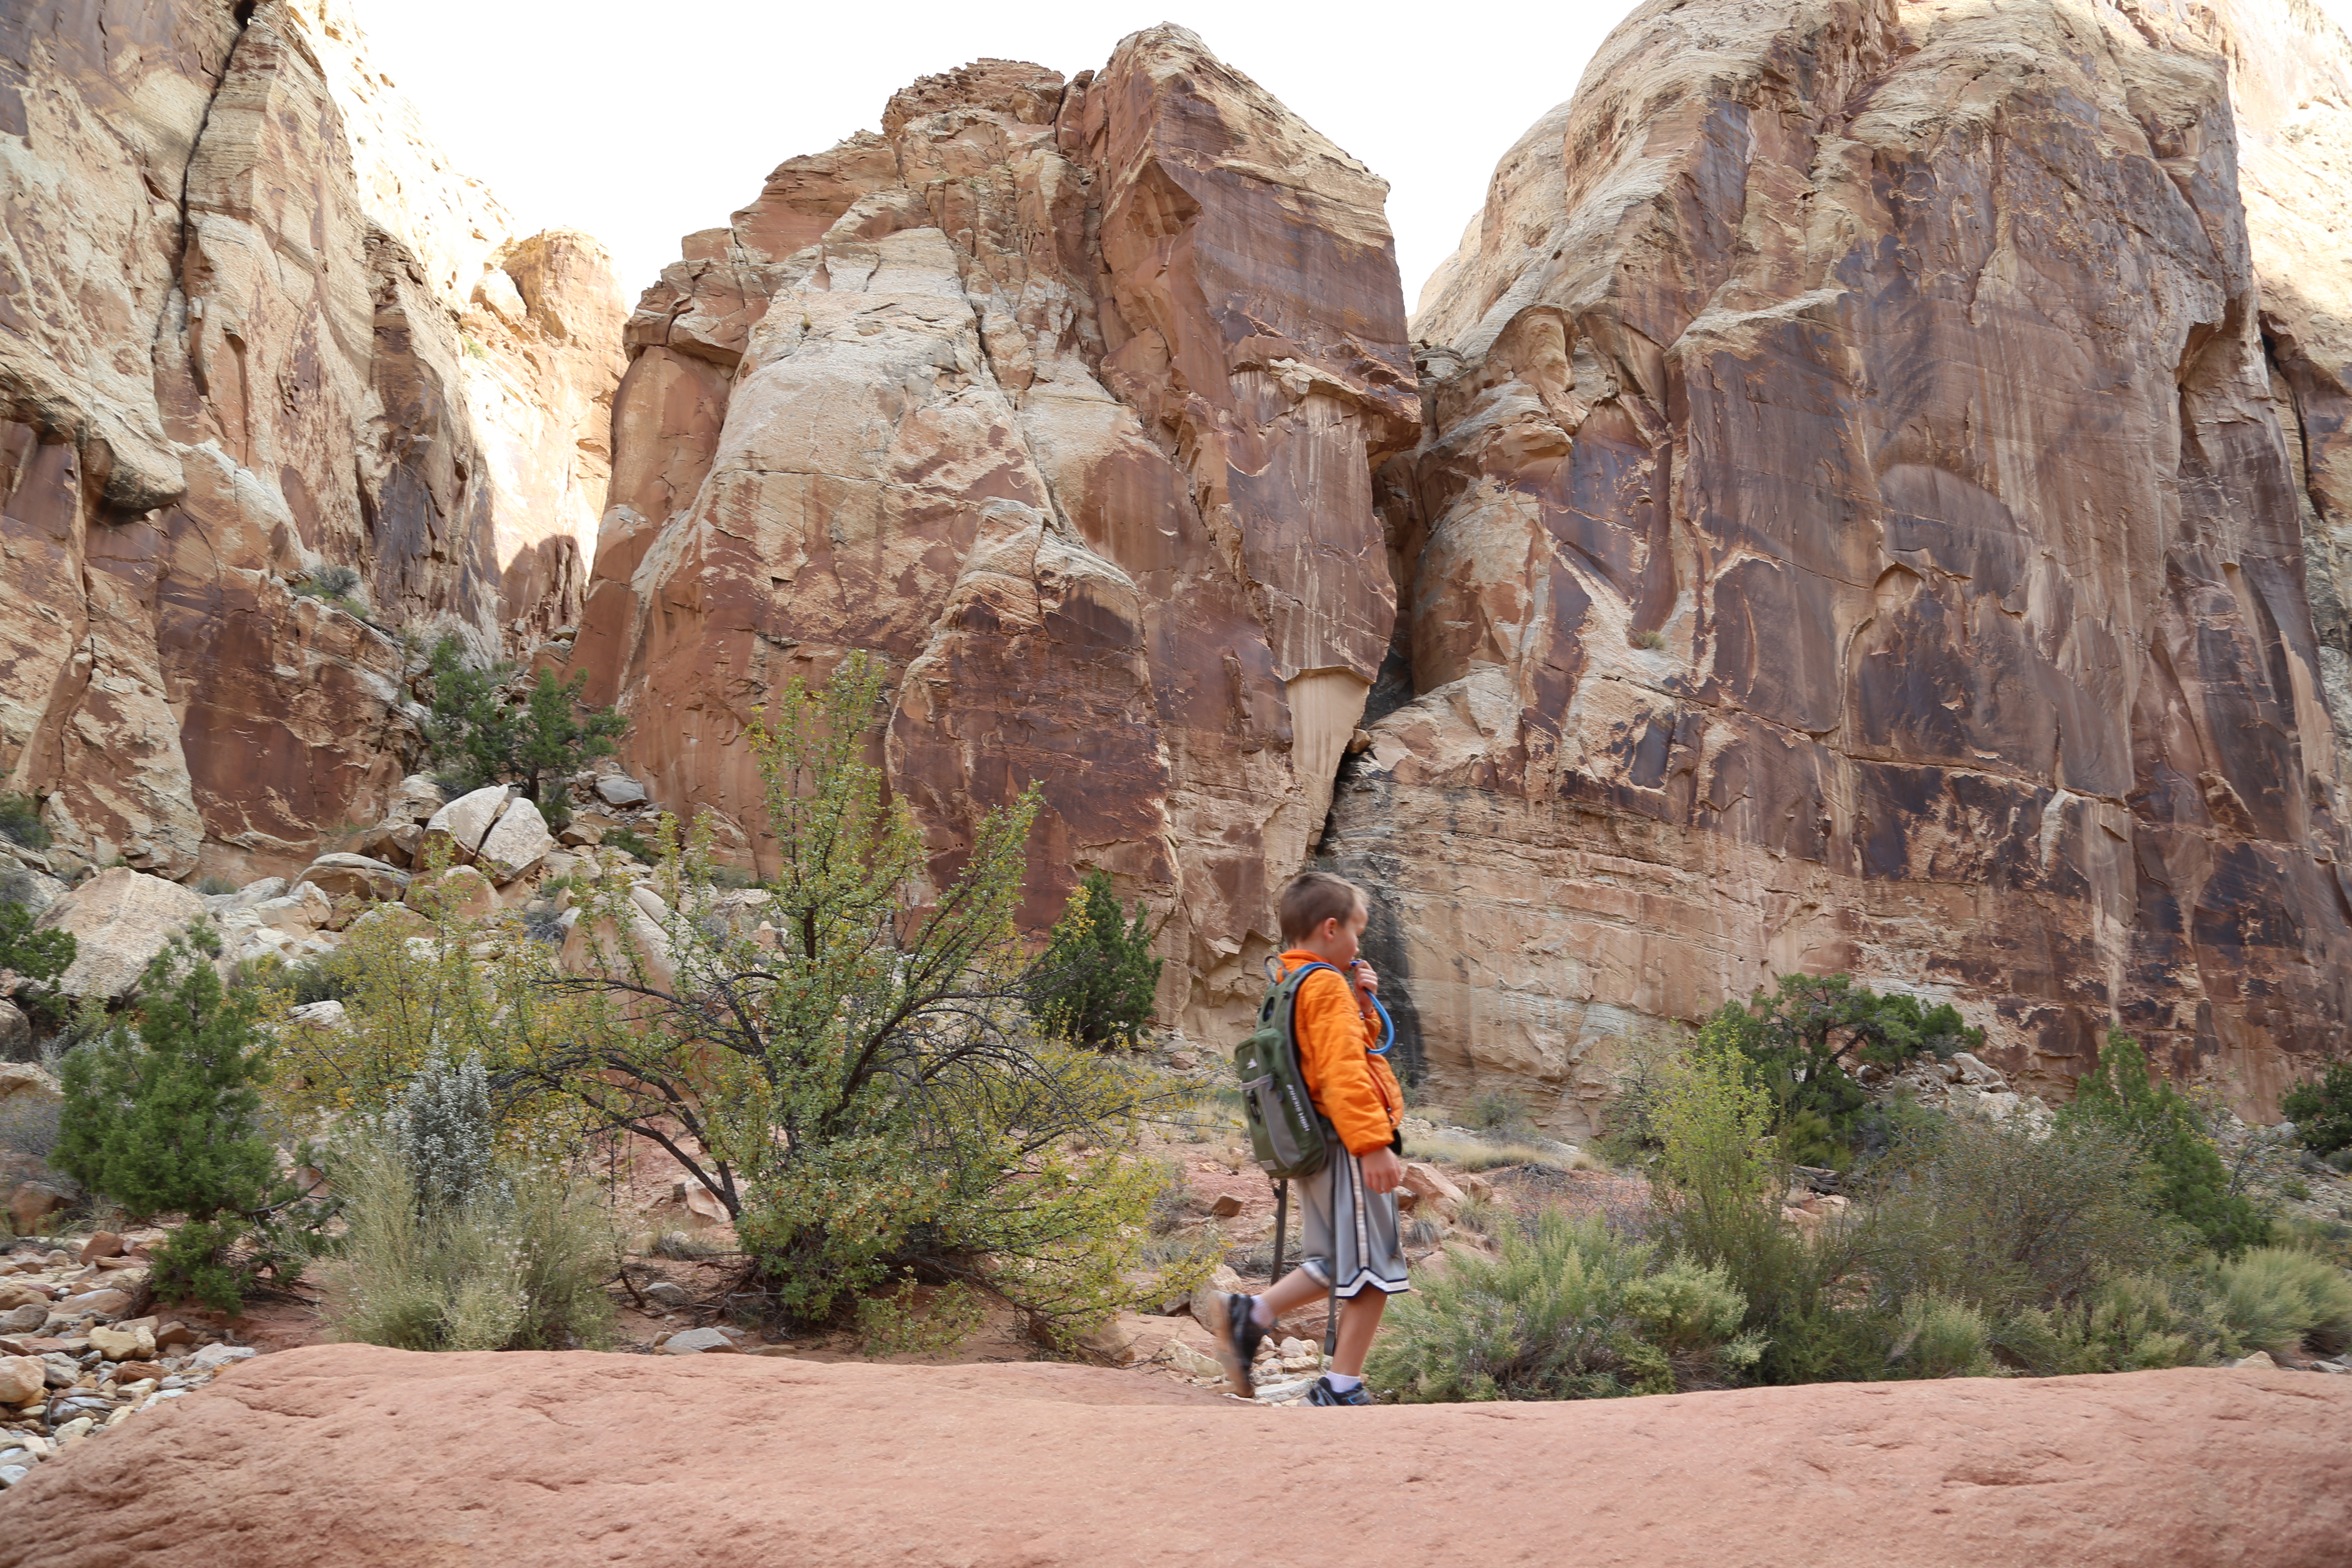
[(175, 1334), (2260, 1362), (1227, 1205), (22, 1380), (212, 1357), (105, 1303), (1118, 1342), (24, 1293), (77, 1428), (105, 1243), (664, 1292), (1431, 1187), (1192, 1363), (138, 1372), (579, 832), (24, 1320), (123, 1344), (619, 789), (10, 1475), (327, 1015), (697, 1342)]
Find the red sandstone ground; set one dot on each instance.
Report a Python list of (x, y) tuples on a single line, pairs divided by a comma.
[(357, 1457)]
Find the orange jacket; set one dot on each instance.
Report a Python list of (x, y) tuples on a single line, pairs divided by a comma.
[(1350, 1085)]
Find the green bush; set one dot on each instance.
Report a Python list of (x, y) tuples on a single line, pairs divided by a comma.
[(1566, 1311), (2130, 1323), (2121, 1095), (1801, 1040), (629, 841), (20, 821), (1992, 1214), (1501, 1112), (1941, 1338), (2321, 1110), (1095, 982), (39, 956), (2276, 1298), (475, 737), (167, 1124)]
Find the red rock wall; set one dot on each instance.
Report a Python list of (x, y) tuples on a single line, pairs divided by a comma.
[(1063, 397), (1854, 531), (230, 354)]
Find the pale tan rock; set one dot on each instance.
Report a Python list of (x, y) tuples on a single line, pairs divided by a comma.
[(519, 841), (414, 802), (307, 908), (16, 1030), (102, 1244), (121, 919), (340, 876), (123, 1343), (28, 1078), (462, 824), (22, 1380), (1432, 1188)]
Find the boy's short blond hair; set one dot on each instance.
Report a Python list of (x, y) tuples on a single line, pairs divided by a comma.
[(1314, 897)]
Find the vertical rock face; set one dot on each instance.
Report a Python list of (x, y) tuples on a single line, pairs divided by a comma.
[(230, 356), (1854, 531), (1065, 397)]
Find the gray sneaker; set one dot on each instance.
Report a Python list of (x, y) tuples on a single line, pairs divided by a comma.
[(1237, 1336), (1324, 1394)]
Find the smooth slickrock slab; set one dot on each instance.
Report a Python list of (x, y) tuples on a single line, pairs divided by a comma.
[(362, 1457)]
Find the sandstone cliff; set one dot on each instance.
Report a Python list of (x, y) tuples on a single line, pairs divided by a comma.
[(1065, 396), (1861, 525), (252, 326)]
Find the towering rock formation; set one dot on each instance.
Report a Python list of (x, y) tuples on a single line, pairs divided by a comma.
[(1856, 530), (1063, 397), (251, 325)]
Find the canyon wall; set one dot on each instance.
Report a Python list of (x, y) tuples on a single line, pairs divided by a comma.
[(252, 326), (1065, 397), (1861, 525)]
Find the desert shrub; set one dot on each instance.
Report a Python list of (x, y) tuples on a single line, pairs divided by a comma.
[(1501, 1112), (1566, 1311), (2122, 1096), (212, 886), (2321, 1110), (864, 1095), (1650, 641), (1990, 1215), (475, 737), (1636, 1072), (29, 1125), (447, 1248), (336, 584), (1941, 1338), (167, 1122), (1800, 1041), (911, 1320), (1095, 982), (630, 842), (2277, 1299), (1482, 1153), (20, 822), (2129, 1322)]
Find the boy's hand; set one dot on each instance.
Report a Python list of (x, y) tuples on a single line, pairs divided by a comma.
[(1366, 980), (1382, 1170)]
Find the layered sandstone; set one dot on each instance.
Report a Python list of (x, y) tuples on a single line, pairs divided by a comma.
[(356, 1455), (231, 356), (1064, 397), (1854, 531)]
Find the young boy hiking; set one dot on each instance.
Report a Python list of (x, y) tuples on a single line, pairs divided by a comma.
[(1353, 1242)]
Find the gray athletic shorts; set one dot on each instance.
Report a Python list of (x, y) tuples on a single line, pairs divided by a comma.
[(1347, 1228)]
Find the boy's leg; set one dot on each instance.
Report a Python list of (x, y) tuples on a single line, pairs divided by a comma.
[(1290, 1292), (1358, 1320)]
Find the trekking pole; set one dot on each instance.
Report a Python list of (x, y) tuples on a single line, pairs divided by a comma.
[(1281, 1223)]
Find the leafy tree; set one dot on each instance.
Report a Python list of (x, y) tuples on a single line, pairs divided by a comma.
[(2184, 1166), (1095, 982), (166, 1124), (475, 737), (38, 956), (854, 1079), (1802, 1040), (2321, 1110)]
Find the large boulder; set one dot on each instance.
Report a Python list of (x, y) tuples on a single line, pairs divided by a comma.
[(16, 1030), (120, 918), (519, 841), (570, 1452), (461, 890), (343, 875), (460, 827)]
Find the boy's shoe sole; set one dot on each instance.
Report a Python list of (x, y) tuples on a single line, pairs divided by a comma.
[(1237, 1335), (1324, 1394)]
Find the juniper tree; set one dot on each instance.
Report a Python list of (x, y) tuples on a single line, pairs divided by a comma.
[(1095, 982)]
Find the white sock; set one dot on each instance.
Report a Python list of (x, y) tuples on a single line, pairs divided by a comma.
[(1260, 1313), (1341, 1382)]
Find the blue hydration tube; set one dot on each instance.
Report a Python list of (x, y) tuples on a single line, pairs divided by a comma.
[(1388, 1024)]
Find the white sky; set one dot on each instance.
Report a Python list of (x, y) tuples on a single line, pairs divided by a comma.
[(644, 121)]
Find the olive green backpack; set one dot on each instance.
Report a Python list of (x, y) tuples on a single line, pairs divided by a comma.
[(1287, 1136)]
